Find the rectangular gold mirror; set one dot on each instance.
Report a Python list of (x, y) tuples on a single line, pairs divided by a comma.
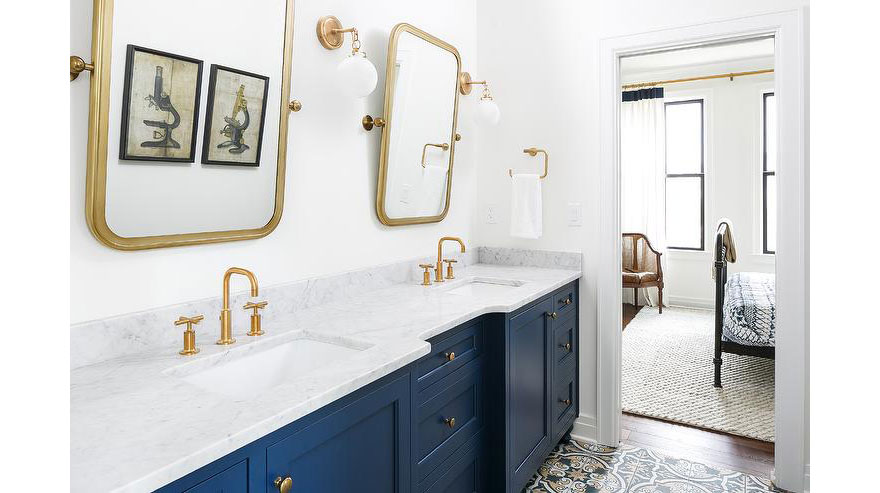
[(187, 136), (418, 139)]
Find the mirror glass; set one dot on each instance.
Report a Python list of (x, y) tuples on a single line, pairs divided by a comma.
[(418, 141), (192, 151)]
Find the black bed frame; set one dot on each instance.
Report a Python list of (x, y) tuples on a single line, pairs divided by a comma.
[(722, 346)]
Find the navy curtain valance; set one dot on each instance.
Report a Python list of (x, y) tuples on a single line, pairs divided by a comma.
[(640, 94)]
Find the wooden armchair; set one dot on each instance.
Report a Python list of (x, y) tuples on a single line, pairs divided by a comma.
[(641, 266)]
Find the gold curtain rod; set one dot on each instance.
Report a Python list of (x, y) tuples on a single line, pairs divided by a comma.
[(691, 79)]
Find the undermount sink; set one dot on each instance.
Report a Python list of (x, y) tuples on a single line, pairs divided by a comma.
[(245, 372), (480, 286)]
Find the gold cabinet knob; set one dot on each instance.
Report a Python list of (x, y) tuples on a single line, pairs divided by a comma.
[(189, 335), (566, 346), (426, 277), (295, 105), (284, 484), (450, 422), (565, 401), (256, 318), (566, 301), (552, 315), (449, 356)]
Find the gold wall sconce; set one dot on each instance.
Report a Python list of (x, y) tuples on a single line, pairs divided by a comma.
[(78, 65), (533, 151), (355, 74), (487, 110)]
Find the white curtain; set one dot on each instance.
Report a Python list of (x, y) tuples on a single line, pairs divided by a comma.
[(643, 176)]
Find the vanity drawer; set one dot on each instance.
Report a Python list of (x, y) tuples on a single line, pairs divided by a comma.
[(463, 472), (231, 480), (449, 352), (564, 402), (565, 299), (564, 339), (448, 415)]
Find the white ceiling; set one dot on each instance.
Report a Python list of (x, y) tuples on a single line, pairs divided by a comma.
[(702, 55)]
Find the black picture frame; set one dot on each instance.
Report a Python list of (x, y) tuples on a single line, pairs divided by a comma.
[(124, 136), (208, 139)]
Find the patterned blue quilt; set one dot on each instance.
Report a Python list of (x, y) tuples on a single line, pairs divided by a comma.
[(750, 309)]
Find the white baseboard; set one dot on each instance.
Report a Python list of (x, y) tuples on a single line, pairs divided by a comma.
[(584, 428), (687, 302)]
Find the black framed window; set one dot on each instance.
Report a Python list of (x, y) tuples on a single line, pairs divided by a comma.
[(768, 177), (685, 175)]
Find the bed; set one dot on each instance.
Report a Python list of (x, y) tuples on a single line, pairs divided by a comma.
[(745, 309)]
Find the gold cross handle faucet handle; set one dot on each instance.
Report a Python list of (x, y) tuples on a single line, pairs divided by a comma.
[(189, 335), (449, 262), (426, 277), (256, 318)]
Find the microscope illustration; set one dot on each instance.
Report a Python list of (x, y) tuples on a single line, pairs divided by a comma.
[(162, 102), (234, 130)]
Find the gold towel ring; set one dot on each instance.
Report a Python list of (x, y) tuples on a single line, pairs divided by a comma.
[(533, 151)]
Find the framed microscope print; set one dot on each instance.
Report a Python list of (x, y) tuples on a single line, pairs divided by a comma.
[(160, 107), (235, 116)]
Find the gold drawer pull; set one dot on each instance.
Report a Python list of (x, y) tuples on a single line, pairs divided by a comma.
[(449, 356), (566, 301), (284, 484), (552, 315), (566, 346), (565, 401), (450, 422)]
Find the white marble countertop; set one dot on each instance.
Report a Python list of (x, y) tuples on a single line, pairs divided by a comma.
[(135, 427)]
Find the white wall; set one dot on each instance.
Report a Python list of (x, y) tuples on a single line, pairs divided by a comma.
[(542, 59), (329, 222), (733, 176)]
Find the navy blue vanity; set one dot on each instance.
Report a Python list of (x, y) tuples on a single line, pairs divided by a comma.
[(479, 413)]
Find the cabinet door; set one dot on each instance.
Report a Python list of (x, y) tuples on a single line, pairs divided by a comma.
[(232, 480), (530, 388), (362, 447)]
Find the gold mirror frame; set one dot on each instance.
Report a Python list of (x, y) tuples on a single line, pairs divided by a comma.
[(386, 135), (96, 171)]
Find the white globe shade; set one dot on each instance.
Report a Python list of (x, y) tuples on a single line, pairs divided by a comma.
[(487, 112), (356, 75)]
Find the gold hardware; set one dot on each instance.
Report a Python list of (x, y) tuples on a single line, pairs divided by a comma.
[(331, 34), (426, 276), (449, 263), (443, 146), (552, 315), (691, 79), (77, 65), (256, 318), (533, 151), (566, 346), (449, 356), (565, 401), (438, 271), (384, 150), (369, 122), (566, 301), (98, 142), (457, 137), (295, 106), (450, 422), (189, 335), (284, 484), (225, 313), (465, 83)]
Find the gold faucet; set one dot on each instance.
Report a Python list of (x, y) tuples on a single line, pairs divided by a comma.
[(225, 313), (438, 271)]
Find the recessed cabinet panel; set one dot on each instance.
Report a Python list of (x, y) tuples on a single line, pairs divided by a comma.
[(232, 480)]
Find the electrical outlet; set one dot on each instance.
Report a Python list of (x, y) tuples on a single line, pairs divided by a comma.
[(575, 214), (491, 214)]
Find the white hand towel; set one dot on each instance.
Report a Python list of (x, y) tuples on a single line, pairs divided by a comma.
[(433, 190), (525, 207)]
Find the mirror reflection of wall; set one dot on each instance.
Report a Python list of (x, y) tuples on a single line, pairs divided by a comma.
[(421, 126)]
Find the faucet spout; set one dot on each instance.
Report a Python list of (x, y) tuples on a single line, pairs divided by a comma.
[(225, 313), (438, 270)]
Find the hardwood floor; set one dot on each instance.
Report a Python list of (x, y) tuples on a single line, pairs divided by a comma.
[(629, 311), (710, 447)]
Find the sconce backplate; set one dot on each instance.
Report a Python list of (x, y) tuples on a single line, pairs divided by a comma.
[(464, 83), (326, 35)]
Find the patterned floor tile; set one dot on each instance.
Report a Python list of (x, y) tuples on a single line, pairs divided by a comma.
[(589, 468)]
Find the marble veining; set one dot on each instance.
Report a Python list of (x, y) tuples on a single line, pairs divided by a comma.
[(530, 258), (136, 425)]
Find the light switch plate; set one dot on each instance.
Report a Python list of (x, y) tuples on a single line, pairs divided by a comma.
[(575, 214), (491, 214)]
